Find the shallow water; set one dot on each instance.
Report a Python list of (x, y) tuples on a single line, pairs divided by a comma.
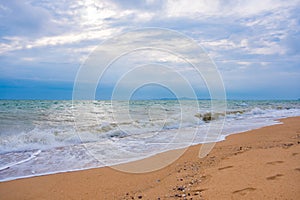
[(44, 137)]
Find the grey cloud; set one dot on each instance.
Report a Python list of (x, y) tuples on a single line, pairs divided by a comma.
[(20, 18)]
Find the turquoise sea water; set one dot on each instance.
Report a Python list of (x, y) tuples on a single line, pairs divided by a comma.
[(44, 137)]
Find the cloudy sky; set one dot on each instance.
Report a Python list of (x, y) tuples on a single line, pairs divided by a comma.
[(254, 44)]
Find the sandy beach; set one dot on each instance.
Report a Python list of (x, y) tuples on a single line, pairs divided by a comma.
[(258, 164), (149, 100)]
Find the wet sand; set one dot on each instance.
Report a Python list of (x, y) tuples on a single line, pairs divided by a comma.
[(258, 164)]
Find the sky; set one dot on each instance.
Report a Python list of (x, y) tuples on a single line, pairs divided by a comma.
[(254, 44)]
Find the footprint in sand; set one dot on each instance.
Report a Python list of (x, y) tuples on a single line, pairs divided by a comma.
[(199, 190), (294, 154), (275, 162), (227, 167), (297, 169), (274, 177), (244, 191)]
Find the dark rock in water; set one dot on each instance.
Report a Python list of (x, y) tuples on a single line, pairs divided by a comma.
[(207, 117)]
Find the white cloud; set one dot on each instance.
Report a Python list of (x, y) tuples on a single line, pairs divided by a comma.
[(18, 43), (223, 8), (176, 8), (222, 44)]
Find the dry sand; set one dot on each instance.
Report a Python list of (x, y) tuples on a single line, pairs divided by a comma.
[(258, 164)]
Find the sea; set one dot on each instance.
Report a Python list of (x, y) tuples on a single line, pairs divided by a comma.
[(39, 137)]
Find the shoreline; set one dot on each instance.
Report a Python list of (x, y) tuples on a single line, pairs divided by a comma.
[(181, 149), (188, 177)]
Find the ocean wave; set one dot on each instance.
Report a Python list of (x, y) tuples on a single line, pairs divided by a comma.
[(62, 135)]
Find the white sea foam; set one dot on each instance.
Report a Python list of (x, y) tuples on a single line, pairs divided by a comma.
[(33, 155)]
